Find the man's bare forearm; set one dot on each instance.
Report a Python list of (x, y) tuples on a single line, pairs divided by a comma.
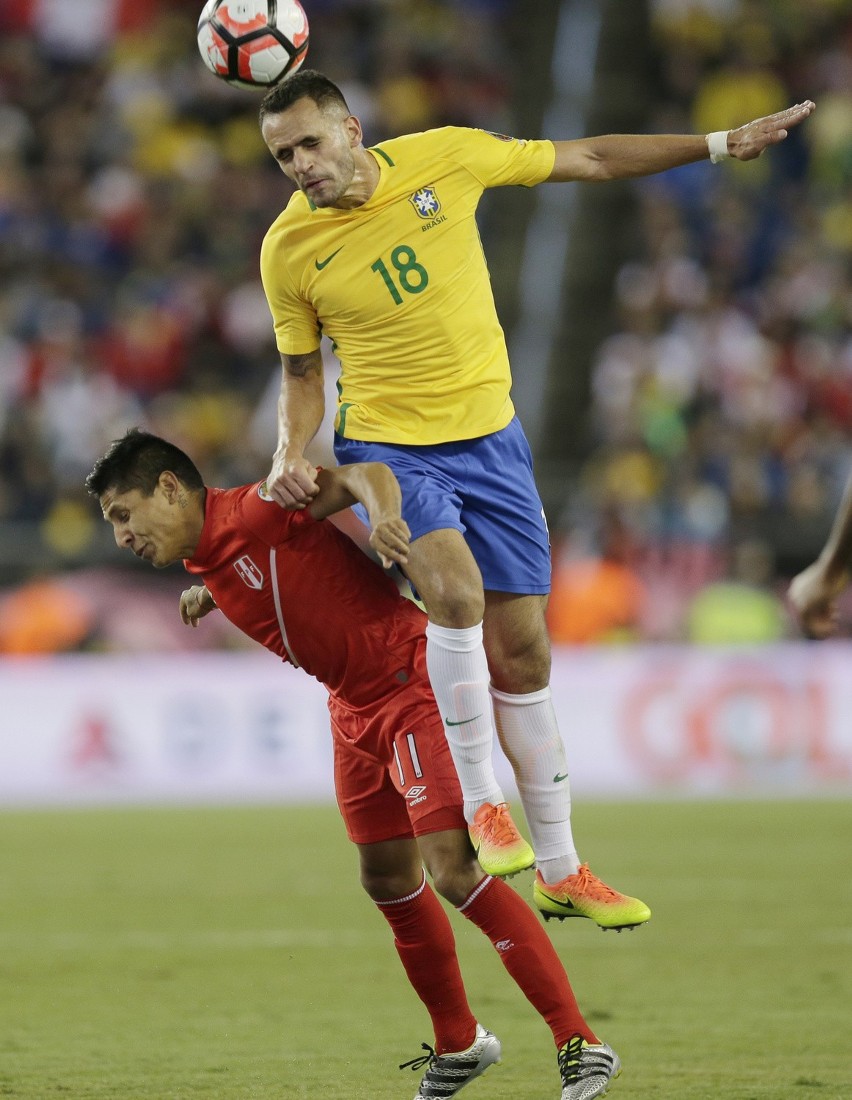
[(624, 156), (627, 156), (374, 485), (837, 552), (301, 402)]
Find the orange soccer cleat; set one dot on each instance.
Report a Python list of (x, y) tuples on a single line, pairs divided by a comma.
[(500, 848), (584, 895)]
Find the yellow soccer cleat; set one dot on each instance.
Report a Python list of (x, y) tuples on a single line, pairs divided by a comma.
[(500, 848), (584, 895)]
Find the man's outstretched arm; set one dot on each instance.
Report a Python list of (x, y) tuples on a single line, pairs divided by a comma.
[(625, 156), (814, 592)]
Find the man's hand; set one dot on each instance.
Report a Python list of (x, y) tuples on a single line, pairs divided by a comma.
[(292, 481), (813, 596), (390, 539), (749, 141), (195, 603)]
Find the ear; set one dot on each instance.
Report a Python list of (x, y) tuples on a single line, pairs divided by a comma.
[(170, 485), (353, 129)]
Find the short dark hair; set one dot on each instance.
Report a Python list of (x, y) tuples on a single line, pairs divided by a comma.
[(304, 84), (136, 461)]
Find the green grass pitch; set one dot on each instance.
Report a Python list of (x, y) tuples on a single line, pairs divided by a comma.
[(230, 953)]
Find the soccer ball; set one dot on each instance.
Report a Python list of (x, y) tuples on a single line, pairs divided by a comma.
[(253, 43)]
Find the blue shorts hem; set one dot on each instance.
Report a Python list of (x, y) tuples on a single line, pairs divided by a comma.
[(419, 532), (520, 589)]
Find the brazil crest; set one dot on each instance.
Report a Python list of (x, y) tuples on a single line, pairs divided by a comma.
[(426, 202)]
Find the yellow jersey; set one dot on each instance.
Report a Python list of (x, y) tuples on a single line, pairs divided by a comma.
[(401, 286)]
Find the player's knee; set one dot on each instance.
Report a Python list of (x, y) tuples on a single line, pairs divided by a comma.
[(456, 606), (448, 580), (382, 885), (517, 643), (519, 667), (455, 882)]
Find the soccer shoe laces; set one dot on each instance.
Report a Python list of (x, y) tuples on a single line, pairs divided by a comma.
[(586, 1068), (589, 884), (498, 824), (421, 1060), (568, 1060)]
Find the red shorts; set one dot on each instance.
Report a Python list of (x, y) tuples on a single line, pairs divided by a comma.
[(393, 772)]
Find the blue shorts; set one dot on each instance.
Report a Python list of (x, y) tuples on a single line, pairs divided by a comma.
[(482, 487)]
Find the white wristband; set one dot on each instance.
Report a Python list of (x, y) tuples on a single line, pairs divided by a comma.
[(717, 143)]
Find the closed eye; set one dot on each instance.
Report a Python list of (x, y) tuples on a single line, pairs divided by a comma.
[(286, 154)]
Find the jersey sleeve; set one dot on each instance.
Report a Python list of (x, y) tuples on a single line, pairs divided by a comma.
[(267, 520), (297, 327), (497, 160)]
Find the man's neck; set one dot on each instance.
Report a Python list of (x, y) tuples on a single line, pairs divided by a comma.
[(195, 522), (364, 182)]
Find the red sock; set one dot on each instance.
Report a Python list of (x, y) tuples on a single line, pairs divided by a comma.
[(423, 938), (527, 953)]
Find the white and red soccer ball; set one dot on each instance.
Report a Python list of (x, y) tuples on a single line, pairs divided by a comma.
[(253, 43)]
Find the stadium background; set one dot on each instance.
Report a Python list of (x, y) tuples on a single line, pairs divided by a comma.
[(682, 357), (681, 351)]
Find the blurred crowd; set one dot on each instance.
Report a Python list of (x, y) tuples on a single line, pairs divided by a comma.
[(722, 400), (135, 191), (134, 194)]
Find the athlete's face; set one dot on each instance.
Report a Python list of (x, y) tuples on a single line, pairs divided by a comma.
[(161, 528), (315, 148)]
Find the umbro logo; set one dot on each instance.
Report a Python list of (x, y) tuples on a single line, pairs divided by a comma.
[(416, 795)]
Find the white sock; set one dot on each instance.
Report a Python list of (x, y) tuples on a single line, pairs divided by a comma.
[(529, 735), (458, 673)]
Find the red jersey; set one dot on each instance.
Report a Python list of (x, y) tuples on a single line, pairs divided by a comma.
[(304, 590)]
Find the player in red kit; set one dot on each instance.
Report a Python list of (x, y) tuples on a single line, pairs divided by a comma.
[(304, 590)]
